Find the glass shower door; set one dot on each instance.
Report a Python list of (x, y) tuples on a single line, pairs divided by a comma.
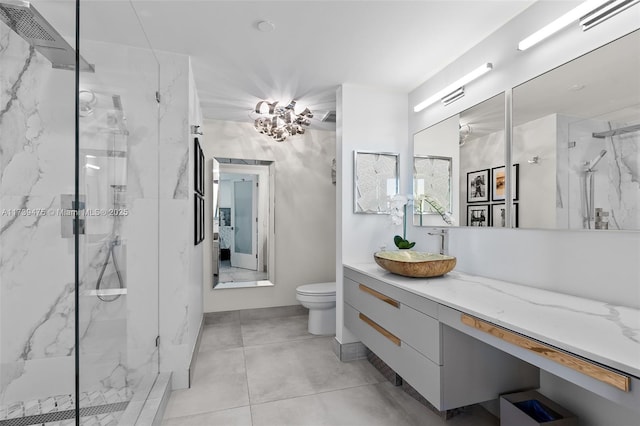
[(118, 248)]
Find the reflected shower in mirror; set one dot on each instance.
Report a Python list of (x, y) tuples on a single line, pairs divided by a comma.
[(576, 136), (243, 226), (473, 144)]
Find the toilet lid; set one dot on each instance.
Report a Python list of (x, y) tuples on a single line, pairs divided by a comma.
[(318, 289)]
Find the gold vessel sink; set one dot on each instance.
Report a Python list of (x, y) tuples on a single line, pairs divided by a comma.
[(414, 263)]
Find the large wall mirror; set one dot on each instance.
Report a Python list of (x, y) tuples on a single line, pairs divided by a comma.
[(458, 176), (243, 226), (575, 153), (576, 135)]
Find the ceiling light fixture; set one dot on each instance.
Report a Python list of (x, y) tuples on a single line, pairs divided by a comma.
[(605, 12), (455, 90), (595, 11), (280, 122)]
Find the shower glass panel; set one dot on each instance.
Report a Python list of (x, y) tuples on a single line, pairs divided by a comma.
[(603, 165), (37, 284), (118, 255)]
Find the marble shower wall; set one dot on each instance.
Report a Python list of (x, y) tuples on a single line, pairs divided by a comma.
[(36, 264), (617, 175)]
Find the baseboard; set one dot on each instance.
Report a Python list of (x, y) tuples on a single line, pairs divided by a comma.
[(349, 351), (196, 349), (246, 315)]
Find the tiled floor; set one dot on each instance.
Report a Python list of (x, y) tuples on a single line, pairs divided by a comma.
[(270, 372), (230, 273)]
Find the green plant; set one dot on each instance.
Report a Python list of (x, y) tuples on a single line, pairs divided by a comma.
[(402, 243)]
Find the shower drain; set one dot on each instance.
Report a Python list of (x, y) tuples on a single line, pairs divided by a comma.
[(57, 416)]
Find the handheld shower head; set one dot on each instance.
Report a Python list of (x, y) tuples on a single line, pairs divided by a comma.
[(592, 164)]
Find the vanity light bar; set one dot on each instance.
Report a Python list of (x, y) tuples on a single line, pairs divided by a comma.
[(566, 19), (458, 84), (453, 96), (605, 12)]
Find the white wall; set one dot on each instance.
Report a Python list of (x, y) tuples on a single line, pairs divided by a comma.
[(599, 265), (369, 119), (304, 206), (180, 261)]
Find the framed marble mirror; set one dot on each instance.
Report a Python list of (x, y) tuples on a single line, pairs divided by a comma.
[(576, 137), (474, 141)]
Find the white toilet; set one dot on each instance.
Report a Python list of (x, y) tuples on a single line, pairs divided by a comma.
[(320, 299)]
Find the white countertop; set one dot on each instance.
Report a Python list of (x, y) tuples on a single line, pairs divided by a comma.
[(595, 330)]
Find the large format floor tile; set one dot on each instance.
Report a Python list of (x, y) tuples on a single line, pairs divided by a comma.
[(372, 405), (274, 330), (231, 417), (221, 336), (260, 367), (290, 369), (220, 382)]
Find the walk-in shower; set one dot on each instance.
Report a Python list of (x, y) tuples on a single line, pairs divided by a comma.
[(77, 191)]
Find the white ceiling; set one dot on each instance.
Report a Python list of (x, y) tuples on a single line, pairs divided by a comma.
[(316, 45)]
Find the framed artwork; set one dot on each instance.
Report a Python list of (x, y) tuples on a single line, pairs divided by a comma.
[(198, 168), (432, 177), (498, 215), (478, 215), (202, 215), (198, 222), (477, 186), (375, 181), (498, 183)]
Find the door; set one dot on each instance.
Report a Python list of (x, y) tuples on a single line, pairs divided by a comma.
[(244, 252)]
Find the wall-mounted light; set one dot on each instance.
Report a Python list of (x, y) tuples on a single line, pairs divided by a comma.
[(605, 12), (455, 90), (590, 14)]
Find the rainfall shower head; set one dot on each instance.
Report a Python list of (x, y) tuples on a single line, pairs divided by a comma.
[(592, 164), (27, 22)]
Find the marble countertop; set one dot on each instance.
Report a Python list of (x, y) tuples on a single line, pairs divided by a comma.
[(599, 331)]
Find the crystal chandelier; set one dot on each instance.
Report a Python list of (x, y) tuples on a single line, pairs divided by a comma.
[(280, 122)]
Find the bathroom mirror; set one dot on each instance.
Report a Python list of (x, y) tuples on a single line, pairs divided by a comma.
[(576, 137), (474, 145), (243, 227)]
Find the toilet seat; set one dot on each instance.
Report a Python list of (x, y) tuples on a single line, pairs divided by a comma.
[(319, 289)]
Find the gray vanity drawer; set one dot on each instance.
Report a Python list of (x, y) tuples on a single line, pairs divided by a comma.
[(419, 303), (417, 370), (415, 328)]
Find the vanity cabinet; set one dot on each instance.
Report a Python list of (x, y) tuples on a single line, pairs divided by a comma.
[(447, 367)]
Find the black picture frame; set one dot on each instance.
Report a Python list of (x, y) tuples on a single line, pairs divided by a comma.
[(478, 215), (198, 221), (498, 215), (498, 183), (478, 186), (198, 168)]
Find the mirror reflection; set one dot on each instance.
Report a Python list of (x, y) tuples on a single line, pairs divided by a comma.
[(576, 136), (473, 143), (243, 247)]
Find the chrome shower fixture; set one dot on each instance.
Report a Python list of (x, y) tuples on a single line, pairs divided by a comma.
[(29, 24), (592, 164)]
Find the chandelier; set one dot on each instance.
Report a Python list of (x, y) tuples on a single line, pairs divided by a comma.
[(280, 122)]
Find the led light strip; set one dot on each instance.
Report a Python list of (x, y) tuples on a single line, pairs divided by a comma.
[(484, 68)]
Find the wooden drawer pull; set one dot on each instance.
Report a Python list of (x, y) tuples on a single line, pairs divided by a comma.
[(380, 296), (380, 330), (595, 371)]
